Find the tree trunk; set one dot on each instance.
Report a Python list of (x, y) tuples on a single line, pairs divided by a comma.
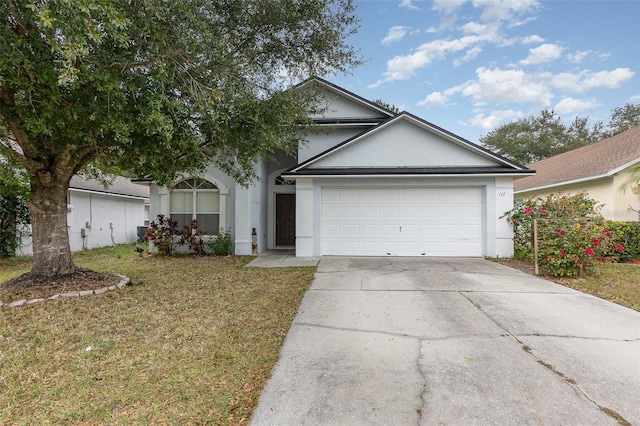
[(48, 207)]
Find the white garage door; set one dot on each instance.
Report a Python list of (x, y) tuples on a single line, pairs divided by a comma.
[(402, 221)]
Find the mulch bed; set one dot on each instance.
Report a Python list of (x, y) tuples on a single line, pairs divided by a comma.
[(28, 286), (521, 265)]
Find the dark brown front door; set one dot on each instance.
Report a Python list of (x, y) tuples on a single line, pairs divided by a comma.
[(285, 219)]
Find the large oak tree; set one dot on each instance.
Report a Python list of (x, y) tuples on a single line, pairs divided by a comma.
[(155, 87)]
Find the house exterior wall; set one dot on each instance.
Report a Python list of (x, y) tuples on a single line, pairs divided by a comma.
[(626, 202), (241, 208), (402, 145), (112, 219), (339, 106), (328, 138), (497, 193), (159, 196), (617, 204), (251, 202)]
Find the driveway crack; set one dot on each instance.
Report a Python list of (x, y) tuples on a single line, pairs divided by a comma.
[(571, 382), (423, 374)]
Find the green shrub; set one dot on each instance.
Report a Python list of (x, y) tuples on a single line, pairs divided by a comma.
[(192, 237), (14, 216), (572, 234), (627, 234), (221, 244), (161, 232)]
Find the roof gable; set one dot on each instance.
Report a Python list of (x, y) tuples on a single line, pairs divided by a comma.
[(408, 142), (598, 160), (344, 106)]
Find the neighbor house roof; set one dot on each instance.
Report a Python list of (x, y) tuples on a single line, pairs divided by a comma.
[(119, 186), (595, 161)]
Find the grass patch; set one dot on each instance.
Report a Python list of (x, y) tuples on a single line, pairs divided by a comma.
[(192, 342), (616, 282)]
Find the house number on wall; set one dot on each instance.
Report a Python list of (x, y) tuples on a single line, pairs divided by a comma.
[(502, 194)]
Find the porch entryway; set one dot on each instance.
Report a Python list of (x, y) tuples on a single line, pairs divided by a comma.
[(285, 235)]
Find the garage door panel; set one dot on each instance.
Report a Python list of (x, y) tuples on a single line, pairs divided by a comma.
[(332, 229), (351, 212), (370, 231), (390, 229), (371, 197), (402, 221), (390, 211), (330, 211), (388, 197), (351, 229), (370, 211)]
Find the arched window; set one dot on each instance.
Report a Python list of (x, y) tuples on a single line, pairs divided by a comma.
[(196, 199)]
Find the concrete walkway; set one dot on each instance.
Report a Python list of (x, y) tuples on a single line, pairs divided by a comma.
[(404, 341), (281, 258)]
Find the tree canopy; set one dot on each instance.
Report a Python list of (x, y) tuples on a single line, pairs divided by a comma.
[(535, 138), (156, 87), (387, 106)]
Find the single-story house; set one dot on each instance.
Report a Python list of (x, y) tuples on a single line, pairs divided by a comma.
[(99, 216), (375, 184), (600, 169)]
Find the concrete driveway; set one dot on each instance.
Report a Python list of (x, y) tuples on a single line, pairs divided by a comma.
[(406, 341)]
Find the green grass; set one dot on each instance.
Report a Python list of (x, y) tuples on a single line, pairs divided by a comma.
[(192, 342), (616, 282)]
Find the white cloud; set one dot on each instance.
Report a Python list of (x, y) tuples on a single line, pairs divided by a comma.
[(577, 56), (608, 79), (476, 34), (587, 80), (495, 119), (395, 34), (505, 10), (532, 39), (447, 6), (603, 56), (634, 99), (543, 53), (569, 106), (473, 28), (507, 86), (408, 4), (514, 24), (404, 67), (469, 56), (435, 99)]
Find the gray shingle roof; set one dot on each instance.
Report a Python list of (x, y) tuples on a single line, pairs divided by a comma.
[(120, 185), (589, 162)]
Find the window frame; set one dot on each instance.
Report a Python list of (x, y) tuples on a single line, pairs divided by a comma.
[(194, 189)]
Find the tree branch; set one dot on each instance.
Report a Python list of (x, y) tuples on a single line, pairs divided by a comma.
[(21, 26), (21, 137)]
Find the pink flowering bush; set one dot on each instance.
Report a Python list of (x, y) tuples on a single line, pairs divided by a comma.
[(572, 234)]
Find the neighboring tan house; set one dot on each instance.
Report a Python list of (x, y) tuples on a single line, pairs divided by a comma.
[(601, 169), (99, 216), (377, 184)]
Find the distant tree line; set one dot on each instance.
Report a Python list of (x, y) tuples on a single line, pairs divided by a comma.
[(538, 137)]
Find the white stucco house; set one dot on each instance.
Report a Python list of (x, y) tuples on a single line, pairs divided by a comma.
[(377, 184), (99, 216)]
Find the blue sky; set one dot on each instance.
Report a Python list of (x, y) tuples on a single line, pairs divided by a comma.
[(472, 65)]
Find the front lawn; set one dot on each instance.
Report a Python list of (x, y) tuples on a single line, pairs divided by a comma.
[(193, 341), (615, 282)]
